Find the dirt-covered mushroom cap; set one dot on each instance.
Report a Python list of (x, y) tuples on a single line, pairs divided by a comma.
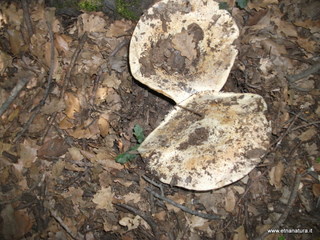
[(214, 139), (182, 47)]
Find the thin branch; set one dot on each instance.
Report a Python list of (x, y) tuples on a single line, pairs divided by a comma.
[(14, 93), (183, 208), (143, 215), (37, 109), (27, 19), (76, 236), (154, 184), (285, 214), (74, 58), (313, 69)]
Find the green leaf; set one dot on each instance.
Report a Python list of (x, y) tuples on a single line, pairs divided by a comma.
[(138, 133), (223, 5), (318, 160), (125, 157), (242, 3), (281, 238)]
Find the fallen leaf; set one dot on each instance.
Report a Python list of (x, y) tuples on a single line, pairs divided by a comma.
[(308, 134), (316, 189), (134, 197), (230, 201), (119, 28), (276, 174), (131, 223), (53, 148), (72, 105), (240, 234), (103, 198)]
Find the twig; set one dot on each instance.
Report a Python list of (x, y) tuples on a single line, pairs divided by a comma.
[(280, 139), (154, 184), (313, 69), (36, 110), (14, 93), (119, 47), (74, 58), (183, 208), (143, 215), (307, 125), (285, 214), (76, 236), (27, 19)]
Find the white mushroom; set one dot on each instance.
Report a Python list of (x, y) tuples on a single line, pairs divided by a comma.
[(212, 140), (184, 50), (182, 47)]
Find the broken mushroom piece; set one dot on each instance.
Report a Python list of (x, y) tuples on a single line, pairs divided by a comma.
[(179, 48), (210, 140)]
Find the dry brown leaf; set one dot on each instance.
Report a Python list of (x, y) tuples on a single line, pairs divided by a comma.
[(307, 44), (259, 4), (104, 126), (314, 26), (119, 28), (135, 197), (240, 234), (316, 189), (28, 153), (111, 80), (90, 132), (101, 95), (5, 61), (53, 148), (103, 198), (72, 105), (16, 41), (66, 123), (178, 198), (131, 223), (276, 174), (183, 42), (230, 201), (75, 194), (52, 106), (91, 22), (75, 154), (16, 223), (308, 134), (62, 43)]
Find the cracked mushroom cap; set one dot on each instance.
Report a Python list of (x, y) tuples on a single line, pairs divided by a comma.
[(209, 141), (179, 48)]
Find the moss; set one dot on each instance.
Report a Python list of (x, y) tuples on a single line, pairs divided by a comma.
[(90, 5), (124, 9)]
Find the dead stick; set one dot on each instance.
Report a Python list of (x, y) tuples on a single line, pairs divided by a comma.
[(27, 19), (285, 214), (313, 69), (183, 208), (143, 215), (74, 58), (14, 93)]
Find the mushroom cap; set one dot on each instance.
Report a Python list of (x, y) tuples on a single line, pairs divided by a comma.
[(182, 47), (210, 140)]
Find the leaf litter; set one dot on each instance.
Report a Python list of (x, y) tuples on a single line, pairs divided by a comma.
[(59, 178)]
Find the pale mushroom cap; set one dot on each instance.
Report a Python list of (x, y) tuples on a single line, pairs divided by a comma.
[(182, 47), (213, 150)]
